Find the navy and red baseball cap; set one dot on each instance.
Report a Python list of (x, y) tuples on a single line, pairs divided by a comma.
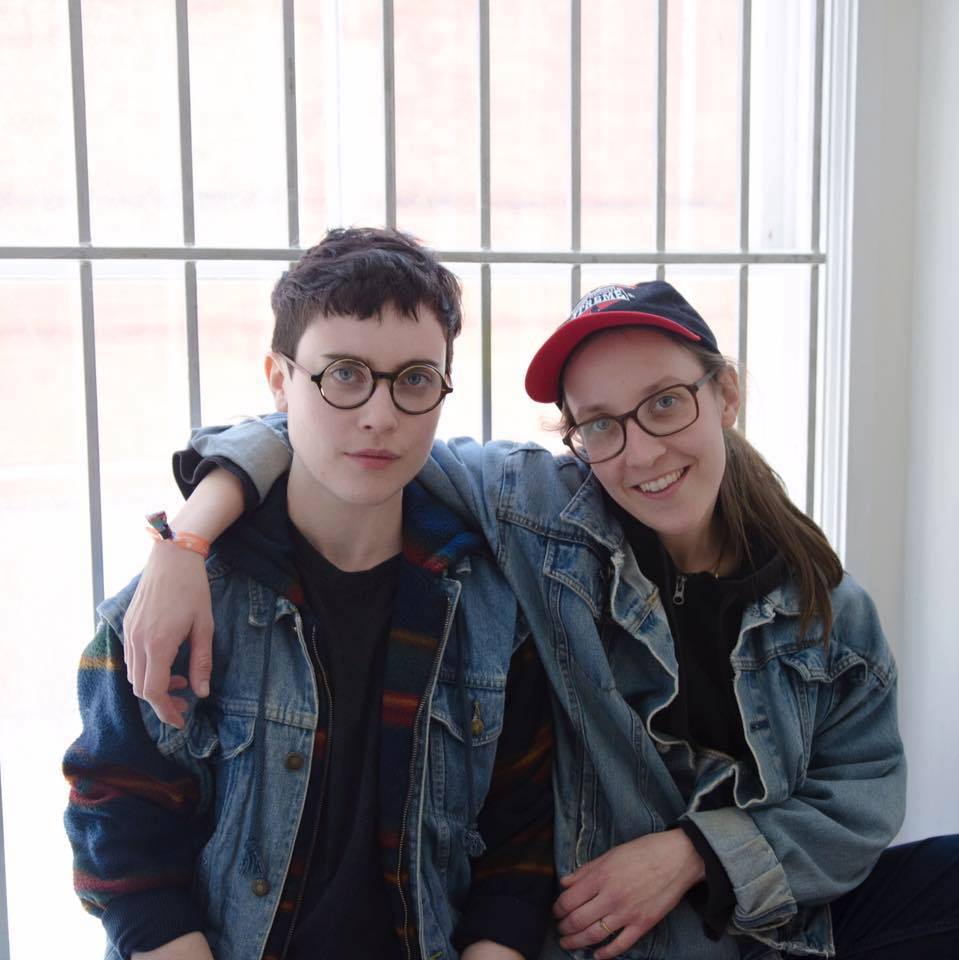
[(652, 304)]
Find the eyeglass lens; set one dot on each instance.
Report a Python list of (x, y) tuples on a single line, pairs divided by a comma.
[(666, 412), (349, 383)]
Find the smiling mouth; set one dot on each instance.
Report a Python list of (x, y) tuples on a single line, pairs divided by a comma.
[(663, 482)]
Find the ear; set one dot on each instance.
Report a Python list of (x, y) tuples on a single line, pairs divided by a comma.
[(277, 377), (727, 383)]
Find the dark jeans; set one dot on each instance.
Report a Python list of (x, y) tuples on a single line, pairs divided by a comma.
[(906, 909)]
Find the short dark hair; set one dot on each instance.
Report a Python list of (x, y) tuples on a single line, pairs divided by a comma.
[(357, 270)]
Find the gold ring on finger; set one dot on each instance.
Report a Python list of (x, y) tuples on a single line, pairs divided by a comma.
[(605, 926)]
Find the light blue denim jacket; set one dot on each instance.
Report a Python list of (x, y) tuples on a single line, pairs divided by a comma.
[(229, 754), (824, 791)]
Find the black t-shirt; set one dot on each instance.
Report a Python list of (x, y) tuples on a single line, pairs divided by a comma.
[(345, 909)]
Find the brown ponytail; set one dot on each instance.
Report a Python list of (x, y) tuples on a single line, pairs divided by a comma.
[(752, 498)]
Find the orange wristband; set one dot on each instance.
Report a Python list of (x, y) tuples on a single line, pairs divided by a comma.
[(185, 541)]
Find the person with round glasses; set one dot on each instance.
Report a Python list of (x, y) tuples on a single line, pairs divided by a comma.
[(729, 772)]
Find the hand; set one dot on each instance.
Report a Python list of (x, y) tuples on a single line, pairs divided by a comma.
[(171, 604), (488, 950), (630, 888), (191, 946)]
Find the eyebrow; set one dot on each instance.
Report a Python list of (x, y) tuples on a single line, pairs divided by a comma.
[(592, 409), (415, 361)]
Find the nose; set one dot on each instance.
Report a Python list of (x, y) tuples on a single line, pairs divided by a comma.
[(379, 412), (642, 449)]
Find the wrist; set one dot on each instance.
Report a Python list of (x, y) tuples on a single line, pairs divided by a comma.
[(161, 531)]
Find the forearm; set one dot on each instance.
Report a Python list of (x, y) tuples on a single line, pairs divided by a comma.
[(212, 507)]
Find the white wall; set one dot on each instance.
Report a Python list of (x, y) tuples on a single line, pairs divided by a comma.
[(931, 595), (902, 507)]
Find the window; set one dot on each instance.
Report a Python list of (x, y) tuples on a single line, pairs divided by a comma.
[(171, 158)]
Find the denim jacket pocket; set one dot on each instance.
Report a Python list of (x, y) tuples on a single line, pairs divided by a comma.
[(457, 803), (221, 741), (486, 704)]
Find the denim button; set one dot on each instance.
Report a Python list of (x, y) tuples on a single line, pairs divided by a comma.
[(294, 761), (260, 887), (662, 747)]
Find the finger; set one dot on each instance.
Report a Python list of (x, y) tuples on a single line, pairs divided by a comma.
[(156, 683), (177, 683), (624, 940), (579, 893), (594, 933), (165, 707), (128, 656), (137, 665), (589, 913), (201, 656), (180, 706)]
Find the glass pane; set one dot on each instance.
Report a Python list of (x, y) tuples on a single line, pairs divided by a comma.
[(619, 125), (528, 302), (339, 98), (239, 134), (437, 121), (38, 202), (463, 409), (714, 292), (43, 502), (236, 326), (624, 274), (702, 125), (143, 400), (781, 125), (778, 371), (133, 128), (529, 97)]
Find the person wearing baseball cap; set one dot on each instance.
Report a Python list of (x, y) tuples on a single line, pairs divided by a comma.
[(654, 304), (729, 771)]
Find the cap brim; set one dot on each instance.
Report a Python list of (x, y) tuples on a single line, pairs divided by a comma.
[(546, 367)]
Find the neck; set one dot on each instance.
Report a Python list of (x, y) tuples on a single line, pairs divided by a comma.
[(703, 551), (351, 536)]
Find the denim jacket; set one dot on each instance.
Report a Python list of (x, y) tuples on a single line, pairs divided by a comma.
[(161, 819), (823, 793)]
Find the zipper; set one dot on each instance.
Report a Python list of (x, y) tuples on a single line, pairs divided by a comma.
[(679, 591), (409, 791), (319, 807)]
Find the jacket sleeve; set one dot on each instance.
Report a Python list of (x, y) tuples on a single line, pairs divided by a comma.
[(513, 880), (135, 818), (257, 451), (848, 801)]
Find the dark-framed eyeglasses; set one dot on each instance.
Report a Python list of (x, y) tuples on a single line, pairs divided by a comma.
[(661, 414), (347, 383)]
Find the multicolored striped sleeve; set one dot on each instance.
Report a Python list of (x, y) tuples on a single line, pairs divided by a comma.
[(514, 880), (134, 817)]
